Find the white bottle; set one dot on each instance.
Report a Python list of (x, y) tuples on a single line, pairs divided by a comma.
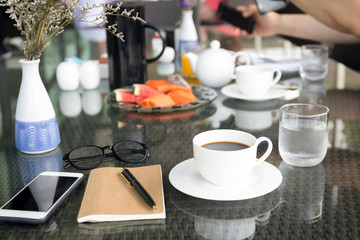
[(188, 37), (157, 44)]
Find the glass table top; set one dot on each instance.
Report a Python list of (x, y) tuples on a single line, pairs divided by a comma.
[(320, 202)]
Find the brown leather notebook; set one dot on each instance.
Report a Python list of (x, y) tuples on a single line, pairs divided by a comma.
[(109, 197)]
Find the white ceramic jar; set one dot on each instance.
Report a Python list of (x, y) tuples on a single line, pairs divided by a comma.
[(90, 74), (68, 76)]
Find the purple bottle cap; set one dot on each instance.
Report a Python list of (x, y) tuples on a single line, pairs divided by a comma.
[(184, 4)]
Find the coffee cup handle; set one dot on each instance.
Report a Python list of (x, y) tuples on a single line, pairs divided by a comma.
[(277, 77), (156, 29), (268, 150)]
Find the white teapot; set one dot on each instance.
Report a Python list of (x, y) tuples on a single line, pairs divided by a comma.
[(215, 66)]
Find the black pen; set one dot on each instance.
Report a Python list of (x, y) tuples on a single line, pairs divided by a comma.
[(138, 187)]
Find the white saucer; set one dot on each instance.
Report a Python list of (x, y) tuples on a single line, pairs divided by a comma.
[(273, 93), (264, 179)]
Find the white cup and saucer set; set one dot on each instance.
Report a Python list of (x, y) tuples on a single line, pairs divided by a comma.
[(226, 167), (256, 83)]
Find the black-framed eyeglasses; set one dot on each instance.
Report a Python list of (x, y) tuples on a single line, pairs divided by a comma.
[(91, 156)]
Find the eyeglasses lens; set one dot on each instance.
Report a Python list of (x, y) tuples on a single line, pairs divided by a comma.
[(130, 151), (86, 157)]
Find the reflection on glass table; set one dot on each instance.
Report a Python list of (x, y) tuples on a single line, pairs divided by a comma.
[(254, 116), (229, 219), (31, 165), (303, 192)]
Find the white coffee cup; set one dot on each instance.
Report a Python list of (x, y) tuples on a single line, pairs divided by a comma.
[(227, 168), (255, 80)]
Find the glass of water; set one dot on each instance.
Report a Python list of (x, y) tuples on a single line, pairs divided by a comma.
[(314, 63), (303, 133)]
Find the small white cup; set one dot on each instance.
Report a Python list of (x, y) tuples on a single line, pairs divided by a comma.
[(255, 80), (168, 56), (90, 74), (68, 76), (226, 168)]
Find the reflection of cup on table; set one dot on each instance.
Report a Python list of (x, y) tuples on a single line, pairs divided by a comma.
[(225, 229), (227, 219), (70, 103), (222, 113), (254, 116), (227, 157), (303, 133), (314, 63), (255, 120), (256, 80), (91, 102)]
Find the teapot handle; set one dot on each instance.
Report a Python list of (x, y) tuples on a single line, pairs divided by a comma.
[(156, 29)]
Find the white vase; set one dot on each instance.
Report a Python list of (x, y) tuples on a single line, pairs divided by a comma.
[(36, 128)]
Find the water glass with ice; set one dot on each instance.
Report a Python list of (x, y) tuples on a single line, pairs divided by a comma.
[(314, 63), (303, 133)]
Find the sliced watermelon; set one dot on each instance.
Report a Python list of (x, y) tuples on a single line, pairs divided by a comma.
[(144, 91), (126, 95)]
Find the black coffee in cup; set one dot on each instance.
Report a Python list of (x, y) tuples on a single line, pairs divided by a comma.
[(225, 146)]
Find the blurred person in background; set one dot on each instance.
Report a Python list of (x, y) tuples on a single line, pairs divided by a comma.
[(207, 11), (340, 15), (301, 28), (296, 25)]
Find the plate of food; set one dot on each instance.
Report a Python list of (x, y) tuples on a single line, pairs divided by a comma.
[(159, 96)]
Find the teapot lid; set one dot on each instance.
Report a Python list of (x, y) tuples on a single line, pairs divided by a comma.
[(215, 44), (217, 53)]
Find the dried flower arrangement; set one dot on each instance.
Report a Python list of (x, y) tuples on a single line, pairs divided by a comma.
[(39, 21)]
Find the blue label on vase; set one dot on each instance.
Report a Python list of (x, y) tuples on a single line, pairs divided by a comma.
[(37, 136)]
